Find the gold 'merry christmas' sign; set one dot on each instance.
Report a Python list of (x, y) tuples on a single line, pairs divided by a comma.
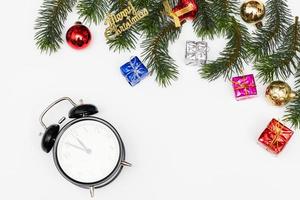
[(122, 21)]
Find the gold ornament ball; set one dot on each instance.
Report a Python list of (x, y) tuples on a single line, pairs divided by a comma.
[(279, 93), (253, 11)]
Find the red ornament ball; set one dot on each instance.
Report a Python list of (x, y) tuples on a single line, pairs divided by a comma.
[(78, 36)]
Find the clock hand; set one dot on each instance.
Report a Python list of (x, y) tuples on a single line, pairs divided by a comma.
[(76, 147), (87, 150)]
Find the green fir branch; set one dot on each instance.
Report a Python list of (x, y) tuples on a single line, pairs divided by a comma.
[(152, 23), (204, 24), (267, 38), (293, 109), (92, 11), (283, 63), (223, 10), (50, 23), (124, 42), (140, 4), (156, 54), (232, 57)]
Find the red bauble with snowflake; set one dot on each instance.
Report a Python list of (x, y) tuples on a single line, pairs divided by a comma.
[(78, 36)]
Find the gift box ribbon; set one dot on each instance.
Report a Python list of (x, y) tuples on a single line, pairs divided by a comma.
[(135, 67), (177, 14), (278, 130)]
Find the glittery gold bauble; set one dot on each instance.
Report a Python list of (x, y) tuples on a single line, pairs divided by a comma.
[(253, 11), (279, 93)]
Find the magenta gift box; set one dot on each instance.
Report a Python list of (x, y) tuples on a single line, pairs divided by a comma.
[(244, 87)]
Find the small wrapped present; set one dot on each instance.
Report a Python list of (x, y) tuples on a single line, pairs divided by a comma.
[(244, 86), (185, 9), (196, 53), (134, 71), (275, 136)]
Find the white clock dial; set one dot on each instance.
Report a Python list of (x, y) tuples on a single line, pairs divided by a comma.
[(88, 151)]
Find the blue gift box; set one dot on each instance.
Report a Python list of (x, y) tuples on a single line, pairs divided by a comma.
[(134, 71)]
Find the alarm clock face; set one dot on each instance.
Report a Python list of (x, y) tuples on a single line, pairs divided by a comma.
[(87, 151)]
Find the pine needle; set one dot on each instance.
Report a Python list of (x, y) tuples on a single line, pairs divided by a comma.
[(204, 23), (92, 11), (293, 109), (283, 63), (267, 38), (156, 54), (232, 57), (50, 23)]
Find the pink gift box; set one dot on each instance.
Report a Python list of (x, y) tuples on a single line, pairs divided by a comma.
[(244, 86)]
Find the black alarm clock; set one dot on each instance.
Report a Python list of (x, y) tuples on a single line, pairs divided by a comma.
[(87, 150)]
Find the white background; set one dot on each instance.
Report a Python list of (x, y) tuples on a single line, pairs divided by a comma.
[(192, 140)]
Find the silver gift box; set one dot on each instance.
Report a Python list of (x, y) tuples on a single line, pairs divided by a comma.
[(196, 53)]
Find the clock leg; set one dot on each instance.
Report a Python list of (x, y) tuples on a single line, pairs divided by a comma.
[(92, 192), (126, 164)]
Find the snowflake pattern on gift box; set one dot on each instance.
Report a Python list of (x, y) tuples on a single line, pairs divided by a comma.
[(134, 71), (244, 87), (275, 136), (196, 53)]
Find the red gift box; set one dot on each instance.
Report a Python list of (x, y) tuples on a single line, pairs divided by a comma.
[(186, 9), (275, 136)]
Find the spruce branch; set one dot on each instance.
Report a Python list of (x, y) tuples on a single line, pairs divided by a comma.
[(50, 23), (284, 62), (156, 54), (124, 42), (232, 57), (293, 109), (152, 23), (267, 38), (215, 16), (204, 24), (223, 10), (140, 4), (92, 11)]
